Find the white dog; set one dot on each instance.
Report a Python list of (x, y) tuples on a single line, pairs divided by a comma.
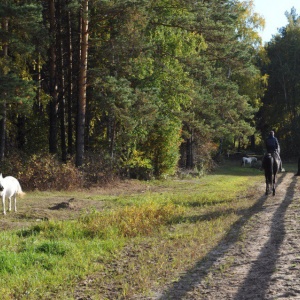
[(248, 160), (10, 187)]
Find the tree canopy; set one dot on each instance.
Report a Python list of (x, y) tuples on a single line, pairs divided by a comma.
[(152, 85), (281, 103)]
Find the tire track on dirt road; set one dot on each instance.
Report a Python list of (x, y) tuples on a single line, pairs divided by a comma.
[(261, 262)]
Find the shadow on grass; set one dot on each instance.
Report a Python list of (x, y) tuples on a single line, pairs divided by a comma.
[(199, 271), (203, 203), (213, 215)]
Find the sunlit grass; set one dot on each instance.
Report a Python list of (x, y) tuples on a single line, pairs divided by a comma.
[(170, 230)]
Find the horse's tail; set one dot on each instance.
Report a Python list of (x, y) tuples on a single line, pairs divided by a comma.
[(268, 166), (19, 191)]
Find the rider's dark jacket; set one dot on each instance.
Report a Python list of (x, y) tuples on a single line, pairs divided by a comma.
[(272, 144)]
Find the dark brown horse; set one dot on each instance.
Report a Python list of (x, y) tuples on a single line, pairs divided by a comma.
[(271, 164)]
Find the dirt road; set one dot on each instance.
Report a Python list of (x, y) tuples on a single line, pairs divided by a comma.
[(262, 263)]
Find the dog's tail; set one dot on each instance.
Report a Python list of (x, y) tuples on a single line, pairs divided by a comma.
[(20, 192)]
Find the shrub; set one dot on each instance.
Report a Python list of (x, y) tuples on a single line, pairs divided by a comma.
[(97, 168), (138, 166), (14, 164), (45, 172)]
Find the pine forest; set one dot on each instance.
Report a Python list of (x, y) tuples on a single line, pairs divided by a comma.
[(142, 88)]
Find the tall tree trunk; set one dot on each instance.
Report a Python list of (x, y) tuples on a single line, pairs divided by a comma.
[(4, 26), (21, 133), (53, 105), (70, 85), (61, 75), (38, 103), (252, 139), (82, 81), (189, 153), (111, 135), (2, 130)]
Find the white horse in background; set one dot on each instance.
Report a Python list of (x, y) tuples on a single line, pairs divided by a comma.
[(10, 188), (248, 160)]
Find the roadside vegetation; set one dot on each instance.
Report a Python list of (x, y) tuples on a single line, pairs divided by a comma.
[(135, 244), (97, 93)]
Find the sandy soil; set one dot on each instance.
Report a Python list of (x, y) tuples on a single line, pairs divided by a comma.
[(262, 262)]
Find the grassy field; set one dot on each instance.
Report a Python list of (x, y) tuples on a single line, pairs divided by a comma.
[(124, 244)]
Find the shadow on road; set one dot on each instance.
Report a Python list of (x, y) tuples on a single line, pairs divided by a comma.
[(258, 279), (199, 271)]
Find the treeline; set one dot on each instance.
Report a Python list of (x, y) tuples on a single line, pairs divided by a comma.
[(150, 85), (281, 103)]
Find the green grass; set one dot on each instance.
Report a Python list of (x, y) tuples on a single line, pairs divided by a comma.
[(166, 230), (38, 265)]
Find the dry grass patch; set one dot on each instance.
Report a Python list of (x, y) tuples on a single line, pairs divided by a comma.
[(130, 221)]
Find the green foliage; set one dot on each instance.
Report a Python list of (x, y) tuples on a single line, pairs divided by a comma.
[(138, 165), (159, 72), (17, 86), (16, 91), (163, 147), (281, 105)]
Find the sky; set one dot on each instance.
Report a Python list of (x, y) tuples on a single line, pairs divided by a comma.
[(273, 11)]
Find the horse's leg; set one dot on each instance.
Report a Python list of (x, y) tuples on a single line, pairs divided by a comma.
[(9, 203), (15, 198), (3, 204), (274, 179), (267, 187)]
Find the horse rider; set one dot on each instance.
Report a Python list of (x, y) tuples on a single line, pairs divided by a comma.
[(273, 147)]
